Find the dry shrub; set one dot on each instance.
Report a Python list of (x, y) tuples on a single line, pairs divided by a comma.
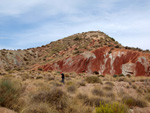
[(109, 83), (132, 80), (148, 89), (50, 78), (69, 83), (124, 79), (10, 91), (130, 101), (82, 83), (134, 86), (98, 91), (147, 97), (39, 108), (110, 95), (105, 79), (77, 106), (142, 79), (139, 90), (127, 86), (56, 83), (92, 100), (71, 89), (121, 92), (82, 96), (93, 79), (55, 97), (108, 88)]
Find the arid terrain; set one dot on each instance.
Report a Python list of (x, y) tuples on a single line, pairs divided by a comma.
[(43, 92), (101, 76)]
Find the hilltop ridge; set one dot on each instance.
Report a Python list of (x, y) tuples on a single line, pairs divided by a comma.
[(65, 53), (68, 46)]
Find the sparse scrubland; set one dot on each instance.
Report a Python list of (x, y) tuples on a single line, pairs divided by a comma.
[(43, 92)]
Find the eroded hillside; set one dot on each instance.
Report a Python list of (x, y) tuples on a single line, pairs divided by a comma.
[(90, 52)]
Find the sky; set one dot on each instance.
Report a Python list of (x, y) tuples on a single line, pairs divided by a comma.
[(33, 23)]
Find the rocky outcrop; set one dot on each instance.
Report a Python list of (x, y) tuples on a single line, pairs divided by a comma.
[(104, 60)]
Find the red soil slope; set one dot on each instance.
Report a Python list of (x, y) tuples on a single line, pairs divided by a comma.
[(105, 61)]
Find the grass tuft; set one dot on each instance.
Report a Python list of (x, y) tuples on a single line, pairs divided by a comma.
[(71, 89), (9, 93), (130, 101), (56, 97), (93, 79), (98, 92), (39, 108)]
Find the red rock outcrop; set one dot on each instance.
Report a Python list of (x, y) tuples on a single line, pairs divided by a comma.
[(105, 61)]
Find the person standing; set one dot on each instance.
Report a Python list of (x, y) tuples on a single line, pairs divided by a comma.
[(63, 77)]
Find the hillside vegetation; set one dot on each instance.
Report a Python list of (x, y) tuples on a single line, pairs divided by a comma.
[(42, 92)]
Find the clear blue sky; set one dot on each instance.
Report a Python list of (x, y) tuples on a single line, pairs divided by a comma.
[(32, 23)]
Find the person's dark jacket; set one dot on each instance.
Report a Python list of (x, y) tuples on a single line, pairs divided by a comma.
[(62, 76)]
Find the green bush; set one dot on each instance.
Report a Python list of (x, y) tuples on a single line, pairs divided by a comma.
[(77, 38), (93, 79), (115, 76), (112, 39), (9, 93), (112, 108)]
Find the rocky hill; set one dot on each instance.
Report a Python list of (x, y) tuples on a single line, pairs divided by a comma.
[(90, 52)]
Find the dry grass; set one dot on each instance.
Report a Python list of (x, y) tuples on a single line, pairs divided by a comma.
[(56, 97), (56, 83), (123, 79), (93, 79), (130, 101), (43, 96), (134, 86), (108, 88), (92, 100), (82, 83), (95, 101), (110, 95), (39, 108), (71, 89), (98, 91), (77, 106), (10, 91), (109, 83), (147, 97)]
